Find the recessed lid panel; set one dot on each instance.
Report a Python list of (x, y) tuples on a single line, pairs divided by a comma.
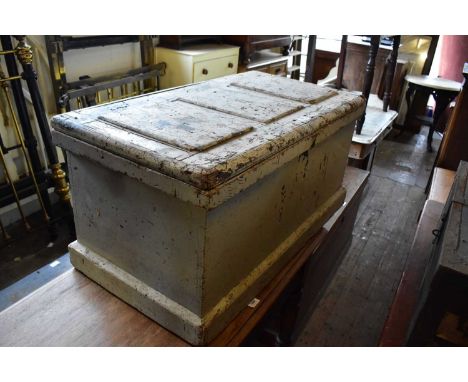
[(179, 124), (284, 87), (241, 102)]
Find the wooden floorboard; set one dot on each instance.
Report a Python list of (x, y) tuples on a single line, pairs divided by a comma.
[(356, 303), (320, 328), (385, 277)]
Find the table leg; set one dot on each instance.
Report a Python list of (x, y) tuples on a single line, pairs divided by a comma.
[(442, 100), (342, 60), (409, 94)]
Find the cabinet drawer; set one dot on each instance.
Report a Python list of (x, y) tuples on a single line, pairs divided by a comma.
[(218, 67), (280, 69)]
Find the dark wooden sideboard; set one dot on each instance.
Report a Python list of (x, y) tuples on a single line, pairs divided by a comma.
[(357, 55), (325, 61), (267, 62), (181, 41), (253, 43), (353, 75)]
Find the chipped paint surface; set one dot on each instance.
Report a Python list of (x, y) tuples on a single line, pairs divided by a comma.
[(207, 154), (276, 85), (179, 124), (248, 104), (185, 208)]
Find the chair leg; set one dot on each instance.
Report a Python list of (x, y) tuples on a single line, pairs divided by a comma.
[(341, 63), (391, 72), (310, 62), (369, 77)]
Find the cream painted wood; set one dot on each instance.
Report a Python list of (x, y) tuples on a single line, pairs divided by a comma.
[(215, 68), (160, 122), (434, 82), (186, 66), (277, 86), (187, 228), (289, 132), (377, 125), (249, 104)]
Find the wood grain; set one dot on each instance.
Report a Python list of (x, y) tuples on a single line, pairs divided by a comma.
[(354, 307), (441, 184), (72, 310), (357, 57), (242, 325), (455, 141), (401, 315), (445, 284)]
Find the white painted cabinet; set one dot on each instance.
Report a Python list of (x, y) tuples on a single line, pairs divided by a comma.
[(197, 63)]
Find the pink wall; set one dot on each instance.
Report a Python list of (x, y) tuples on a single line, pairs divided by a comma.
[(454, 53)]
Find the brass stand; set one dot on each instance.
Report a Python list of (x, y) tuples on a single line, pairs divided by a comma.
[(21, 141), (24, 132), (62, 189), (25, 57), (13, 188)]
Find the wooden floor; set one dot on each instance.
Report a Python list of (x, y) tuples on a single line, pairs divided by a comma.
[(355, 305)]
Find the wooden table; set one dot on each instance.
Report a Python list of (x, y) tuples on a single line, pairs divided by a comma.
[(444, 91), (72, 310), (377, 125)]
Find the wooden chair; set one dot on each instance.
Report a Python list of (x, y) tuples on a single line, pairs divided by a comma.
[(376, 122)]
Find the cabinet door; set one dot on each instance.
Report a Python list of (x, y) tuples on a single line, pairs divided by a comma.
[(218, 67)]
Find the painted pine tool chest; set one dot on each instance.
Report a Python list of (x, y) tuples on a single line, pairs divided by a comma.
[(188, 201)]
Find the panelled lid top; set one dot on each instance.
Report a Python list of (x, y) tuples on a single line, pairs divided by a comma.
[(276, 85), (207, 133), (179, 124)]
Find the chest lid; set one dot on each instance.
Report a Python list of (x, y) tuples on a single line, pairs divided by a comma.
[(179, 124), (207, 133)]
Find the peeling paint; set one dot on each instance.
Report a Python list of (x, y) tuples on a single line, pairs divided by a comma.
[(189, 236), (209, 133)]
